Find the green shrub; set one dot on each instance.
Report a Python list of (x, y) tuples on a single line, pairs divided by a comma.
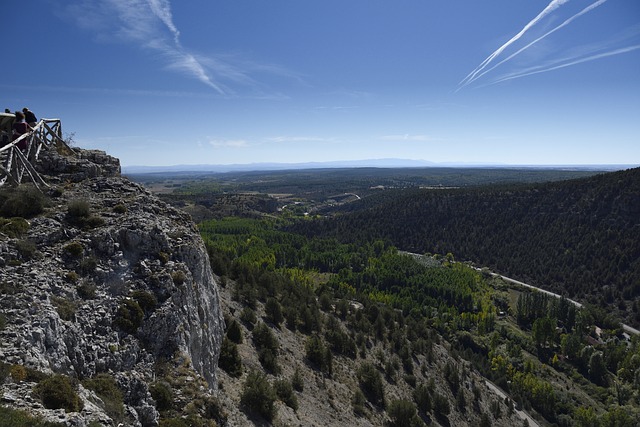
[(234, 332), (17, 418), (284, 391), (163, 257), (229, 359), (358, 402), (104, 385), (145, 299), (26, 201), (77, 209), (26, 248), (264, 338), (441, 406), (74, 249), (35, 376), (402, 413), (57, 392), (410, 380), (267, 346), (86, 290), (325, 302), (66, 309), (18, 373), (14, 227), (71, 277), (258, 396), (79, 214), (213, 411), (340, 342), (162, 394), (88, 265), (273, 311), (129, 316), (93, 221), (248, 316), (178, 277), (319, 355), (290, 314), (120, 209), (269, 360), (297, 382), (371, 384)]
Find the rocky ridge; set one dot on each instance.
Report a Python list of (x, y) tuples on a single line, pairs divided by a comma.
[(107, 279)]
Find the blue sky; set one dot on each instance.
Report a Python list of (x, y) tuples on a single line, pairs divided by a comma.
[(160, 82)]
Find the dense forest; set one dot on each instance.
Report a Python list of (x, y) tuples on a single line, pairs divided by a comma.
[(579, 238), (545, 352)]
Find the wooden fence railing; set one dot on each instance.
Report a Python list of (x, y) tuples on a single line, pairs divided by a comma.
[(16, 165)]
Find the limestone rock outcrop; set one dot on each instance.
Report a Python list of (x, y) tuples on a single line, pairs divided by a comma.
[(108, 279)]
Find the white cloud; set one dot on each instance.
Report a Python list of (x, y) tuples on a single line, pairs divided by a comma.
[(406, 137), (547, 10), (548, 33), (228, 143), (149, 24), (283, 139), (563, 63), (563, 50)]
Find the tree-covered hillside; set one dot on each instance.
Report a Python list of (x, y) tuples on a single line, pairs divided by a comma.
[(324, 333), (580, 238)]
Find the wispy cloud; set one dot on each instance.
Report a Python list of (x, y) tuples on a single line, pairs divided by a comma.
[(149, 24), (547, 10), (548, 33), (563, 63), (406, 137), (228, 143), (554, 59), (116, 91), (285, 139)]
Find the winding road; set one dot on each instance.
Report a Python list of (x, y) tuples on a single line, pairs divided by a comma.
[(626, 328), (522, 414)]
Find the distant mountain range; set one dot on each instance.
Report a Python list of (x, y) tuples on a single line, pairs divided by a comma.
[(380, 163)]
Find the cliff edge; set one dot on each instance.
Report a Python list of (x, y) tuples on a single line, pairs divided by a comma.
[(100, 279)]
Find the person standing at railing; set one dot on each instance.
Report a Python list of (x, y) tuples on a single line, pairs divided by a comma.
[(29, 117), (20, 127)]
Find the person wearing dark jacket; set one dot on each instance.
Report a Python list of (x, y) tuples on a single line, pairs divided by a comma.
[(29, 117), (20, 127)]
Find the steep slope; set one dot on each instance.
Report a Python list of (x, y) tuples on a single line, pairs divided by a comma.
[(457, 394), (107, 279)]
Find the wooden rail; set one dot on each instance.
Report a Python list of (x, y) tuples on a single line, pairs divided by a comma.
[(16, 165)]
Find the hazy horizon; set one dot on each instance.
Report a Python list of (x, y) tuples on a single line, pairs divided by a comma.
[(364, 163)]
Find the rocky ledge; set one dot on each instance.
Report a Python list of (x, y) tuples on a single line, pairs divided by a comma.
[(106, 279)]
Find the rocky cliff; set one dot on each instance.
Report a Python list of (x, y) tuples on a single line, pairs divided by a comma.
[(103, 279)]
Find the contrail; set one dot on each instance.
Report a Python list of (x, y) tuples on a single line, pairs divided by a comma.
[(550, 8), (532, 71), (182, 60), (564, 24), (189, 63), (162, 9)]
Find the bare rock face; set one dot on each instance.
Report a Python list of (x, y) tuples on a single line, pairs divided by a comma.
[(84, 164), (109, 279)]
